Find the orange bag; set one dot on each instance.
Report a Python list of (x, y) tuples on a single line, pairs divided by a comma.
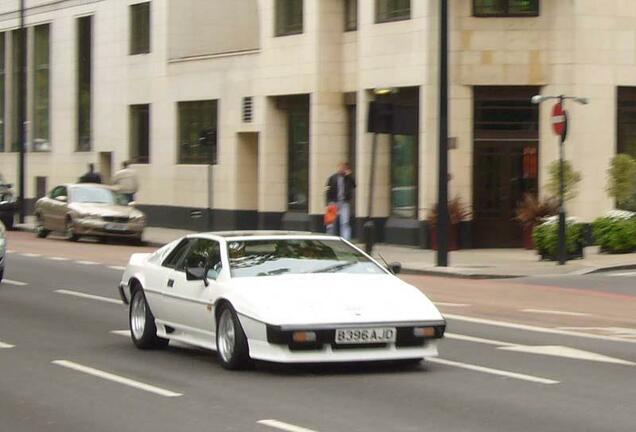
[(331, 214)]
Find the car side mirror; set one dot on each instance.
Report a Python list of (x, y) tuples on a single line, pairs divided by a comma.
[(195, 272), (395, 268), (61, 198)]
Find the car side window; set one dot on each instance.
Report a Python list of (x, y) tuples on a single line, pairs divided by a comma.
[(204, 252), (177, 253), (58, 191)]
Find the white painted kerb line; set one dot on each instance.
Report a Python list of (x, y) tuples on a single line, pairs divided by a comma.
[(491, 371), (116, 378), (122, 268), (284, 426), (90, 296), (14, 282)]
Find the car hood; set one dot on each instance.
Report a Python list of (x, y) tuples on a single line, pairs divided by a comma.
[(105, 210), (330, 299)]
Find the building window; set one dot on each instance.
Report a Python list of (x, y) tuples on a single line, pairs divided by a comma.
[(392, 10), (351, 15), (15, 93), (2, 88), (289, 17), (298, 159), (41, 88), (626, 117), (84, 82), (197, 132), (140, 134), (140, 28), (505, 8), (404, 158)]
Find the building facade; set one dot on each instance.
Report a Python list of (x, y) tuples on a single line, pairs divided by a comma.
[(236, 112)]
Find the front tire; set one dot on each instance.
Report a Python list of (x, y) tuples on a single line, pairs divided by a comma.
[(40, 231), (231, 342), (143, 330)]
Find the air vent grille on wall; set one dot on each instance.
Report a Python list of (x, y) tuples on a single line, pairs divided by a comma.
[(248, 107)]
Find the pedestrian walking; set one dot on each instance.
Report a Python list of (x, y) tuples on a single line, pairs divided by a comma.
[(91, 176), (125, 180), (339, 189)]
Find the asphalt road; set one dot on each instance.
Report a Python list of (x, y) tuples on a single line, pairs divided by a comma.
[(493, 374)]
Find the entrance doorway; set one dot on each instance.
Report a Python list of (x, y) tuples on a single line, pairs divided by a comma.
[(106, 166), (505, 156)]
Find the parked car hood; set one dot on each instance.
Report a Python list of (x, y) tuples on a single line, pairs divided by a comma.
[(331, 299), (105, 209)]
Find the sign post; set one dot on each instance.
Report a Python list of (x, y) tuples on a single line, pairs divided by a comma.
[(560, 127)]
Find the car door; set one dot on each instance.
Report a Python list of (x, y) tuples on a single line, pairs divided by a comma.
[(55, 209), (188, 305)]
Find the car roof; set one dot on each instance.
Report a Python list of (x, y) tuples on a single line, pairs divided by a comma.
[(262, 235), (100, 185)]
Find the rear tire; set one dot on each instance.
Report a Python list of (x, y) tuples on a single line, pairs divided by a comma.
[(40, 231), (143, 330), (231, 342), (69, 231)]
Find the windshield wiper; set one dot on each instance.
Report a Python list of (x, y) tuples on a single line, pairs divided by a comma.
[(273, 272), (335, 268)]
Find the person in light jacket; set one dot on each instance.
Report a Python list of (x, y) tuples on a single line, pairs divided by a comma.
[(125, 180), (340, 188)]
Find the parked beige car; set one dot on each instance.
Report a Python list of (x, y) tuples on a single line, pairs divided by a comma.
[(88, 209)]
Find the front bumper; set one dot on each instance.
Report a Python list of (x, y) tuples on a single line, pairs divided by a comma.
[(100, 228)]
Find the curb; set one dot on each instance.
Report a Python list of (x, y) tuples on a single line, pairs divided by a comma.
[(457, 275), (611, 268)]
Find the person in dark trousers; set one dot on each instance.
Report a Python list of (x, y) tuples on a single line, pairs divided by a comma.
[(91, 176), (340, 187)]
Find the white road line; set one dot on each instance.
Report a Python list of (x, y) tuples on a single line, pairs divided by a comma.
[(477, 339), (622, 274), (14, 282), (6, 345), (117, 267), (554, 312), (535, 328), (121, 332), (284, 426), (116, 378), (31, 255), (10, 251), (90, 296), (86, 262), (491, 371), (58, 259), (451, 304)]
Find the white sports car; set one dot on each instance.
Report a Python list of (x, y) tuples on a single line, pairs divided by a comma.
[(276, 296)]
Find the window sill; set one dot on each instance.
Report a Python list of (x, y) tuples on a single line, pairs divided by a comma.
[(390, 20), (291, 33), (506, 15), (139, 53)]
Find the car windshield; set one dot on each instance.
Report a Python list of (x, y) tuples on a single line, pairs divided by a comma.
[(96, 195), (296, 256)]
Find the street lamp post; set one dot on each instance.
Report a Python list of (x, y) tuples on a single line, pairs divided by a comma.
[(562, 249), (442, 182), (21, 108)]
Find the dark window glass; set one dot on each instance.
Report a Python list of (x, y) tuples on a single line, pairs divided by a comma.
[(41, 88), (140, 134), (298, 159), (351, 15), (392, 10), (15, 93), (197, 132), (177, 253), (84, 82), (289, 17), (140, 28), (626, 116), (58, 192), (2, 88), (352, 133), (503, 8), (404, 158), (204, 252)]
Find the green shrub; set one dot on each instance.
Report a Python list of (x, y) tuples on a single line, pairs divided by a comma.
[(546, 239), (615, 235), (622, 180)]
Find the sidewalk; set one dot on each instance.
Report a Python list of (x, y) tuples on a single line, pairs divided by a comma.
[(470, 263)]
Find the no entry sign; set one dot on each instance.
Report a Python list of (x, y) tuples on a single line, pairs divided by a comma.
[(559, 120)]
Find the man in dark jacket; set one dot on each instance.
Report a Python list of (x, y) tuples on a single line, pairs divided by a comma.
[(91, 176), (340, 188)]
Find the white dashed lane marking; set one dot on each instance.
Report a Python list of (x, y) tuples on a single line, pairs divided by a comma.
[(117, 268), (58, 259), (31, 255), (116, 378), (451, 304), (503, 373), (90, 296), (121, 332), (86, 262), (284, 426), (4, 345), (554, 312), (14, 282)]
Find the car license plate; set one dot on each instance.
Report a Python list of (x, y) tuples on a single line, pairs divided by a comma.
[(116, 227), (365, 335)]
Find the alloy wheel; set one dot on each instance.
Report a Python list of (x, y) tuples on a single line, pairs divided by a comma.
[(138, 316), (227, 336)]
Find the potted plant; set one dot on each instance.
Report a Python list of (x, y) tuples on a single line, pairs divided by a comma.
[(546, 238), (531, 211), (457, 212)]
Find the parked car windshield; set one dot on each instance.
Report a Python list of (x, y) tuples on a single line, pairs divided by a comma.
[(96, 195), (296, 256)]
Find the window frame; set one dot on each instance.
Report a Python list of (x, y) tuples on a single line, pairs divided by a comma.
[(283, 29), (379, 19), (61, 187), (135, 48), (84, 73), (187, 243), (507, 14)]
